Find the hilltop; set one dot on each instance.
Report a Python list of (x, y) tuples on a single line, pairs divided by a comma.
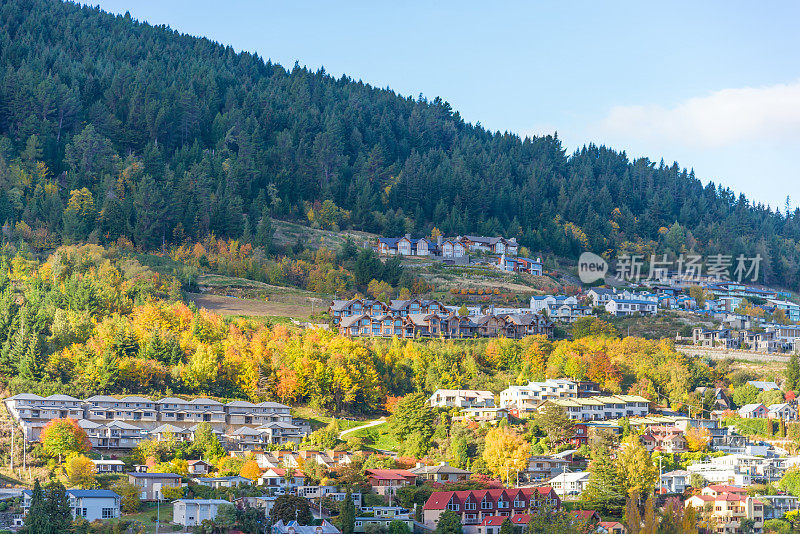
[(114, 129)]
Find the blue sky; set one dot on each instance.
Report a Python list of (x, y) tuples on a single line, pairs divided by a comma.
[(712, 85)]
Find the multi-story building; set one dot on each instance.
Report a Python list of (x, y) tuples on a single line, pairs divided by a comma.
[(174, 410), (278, 433), (569, 484), (603, 407), (112, 435), (620, 307), (420, 318), (151, 485), (727, 510), (386, 482), (92, 505), (541, 468), (525, 399), (723, 338), (33, 412), (247, 413), (461, 398), (121, 423), (128, 409), (676, 481), (474, 506)]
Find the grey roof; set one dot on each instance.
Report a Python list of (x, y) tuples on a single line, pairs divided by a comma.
[(85, 423), (240, 404), (62, 398), (203, 400), (763, 385), (135, 398), (201, 501), (84, 493), (439, 469), (166, 427), (172, 400), (26, 396), (153, 475), (123, 425), (103, 398), (271, 404)]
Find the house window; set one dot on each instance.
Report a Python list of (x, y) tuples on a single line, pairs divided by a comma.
[(470, 506), (453, 507), (502, 504), (486, 505), (106, 513)]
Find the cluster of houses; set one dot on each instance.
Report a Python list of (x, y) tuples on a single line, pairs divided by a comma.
[(121, 423), (581, 401), (417, 318), (447, 247)]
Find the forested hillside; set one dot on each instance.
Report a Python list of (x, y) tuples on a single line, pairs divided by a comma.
[(111, 128)]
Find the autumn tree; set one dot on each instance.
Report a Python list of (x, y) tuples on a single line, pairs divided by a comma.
[(697, 438), (505, 452), (80, 472), (250, 470), (129, 496), (637, 473), (61, 437), (412, 423)]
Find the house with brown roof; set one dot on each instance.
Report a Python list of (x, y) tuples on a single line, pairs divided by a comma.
[(664, 439), (474, 506), (442, 472), (387, 481), (611, 527)]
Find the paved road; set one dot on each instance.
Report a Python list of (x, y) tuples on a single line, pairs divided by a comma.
[(720, 354), (368, 425)]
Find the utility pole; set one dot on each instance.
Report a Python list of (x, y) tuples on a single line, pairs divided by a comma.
[(12, 446)]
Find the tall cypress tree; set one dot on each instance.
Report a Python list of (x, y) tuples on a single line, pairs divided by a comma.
[(348, 517), (36, 521)]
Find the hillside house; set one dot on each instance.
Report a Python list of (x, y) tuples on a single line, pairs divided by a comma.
[(461, 398), (92, 505), (474, 506), (192, 512), (753, 411), (406, 246), (386, 482), (622, 307), (150, 485)]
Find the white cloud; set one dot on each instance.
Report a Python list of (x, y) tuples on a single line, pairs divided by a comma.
[(721, 119)]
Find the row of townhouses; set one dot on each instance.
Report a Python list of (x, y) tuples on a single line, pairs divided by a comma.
[(603, 407), (112, 422), (428, 318), (527, 398), (449, 247)]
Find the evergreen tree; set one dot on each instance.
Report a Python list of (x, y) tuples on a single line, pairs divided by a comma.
[(603, 487), (36, 520), (348, 514), (449, 523), (793, 373)]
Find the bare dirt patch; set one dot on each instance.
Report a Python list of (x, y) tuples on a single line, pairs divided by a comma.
[(250, 307)]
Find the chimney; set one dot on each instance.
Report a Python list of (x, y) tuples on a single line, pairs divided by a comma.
[(443, 463), (408, 236), (439, 240), (420, 464)]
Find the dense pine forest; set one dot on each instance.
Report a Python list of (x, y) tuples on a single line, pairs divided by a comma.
[(111, 128)]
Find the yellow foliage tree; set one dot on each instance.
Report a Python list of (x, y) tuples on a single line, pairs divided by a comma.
[(505, 453), (697, 438), (250, 470), (80, 472)]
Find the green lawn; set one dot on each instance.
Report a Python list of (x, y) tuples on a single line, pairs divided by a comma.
[(319, 420), (378, 437), (147, 515)]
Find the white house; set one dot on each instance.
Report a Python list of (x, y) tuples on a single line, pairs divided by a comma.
[(676, 481), (753, 411), (526, 398), (543, 302), (781, 411), (461, 398), (192, 512), (92, 505), (569, 484), (617, 306), (108, 466)]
